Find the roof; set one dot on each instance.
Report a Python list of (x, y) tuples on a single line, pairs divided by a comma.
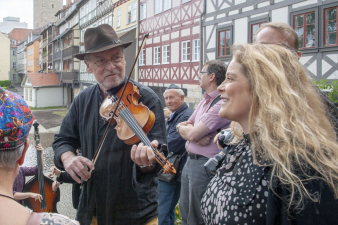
[(18, 34), (44, 79)]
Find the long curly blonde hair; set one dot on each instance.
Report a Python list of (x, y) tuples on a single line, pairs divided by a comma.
[(287, 121)]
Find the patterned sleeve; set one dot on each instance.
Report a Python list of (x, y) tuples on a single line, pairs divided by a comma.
[(30, 171), (57, 219)]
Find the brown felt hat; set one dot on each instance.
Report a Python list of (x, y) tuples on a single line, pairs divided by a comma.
[(99, 39)]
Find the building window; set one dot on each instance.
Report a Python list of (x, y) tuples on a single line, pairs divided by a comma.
[(14, 76), (143, 11), (196, 50), (186, 51), (158, 6), (165, 54), (13, 42), (13, 52), (224, 43), (162, 5), (14, 65), (157, 55), (254, 29), (129, 14), (185, 1), (330, 26), (142, 58), (134, 11), (304, 25), (30, 94), (26, 93), (118, 20)]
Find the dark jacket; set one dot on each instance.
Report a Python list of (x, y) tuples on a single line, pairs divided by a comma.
[(176, 143), (323, 212), (76, 191), (117, 192)]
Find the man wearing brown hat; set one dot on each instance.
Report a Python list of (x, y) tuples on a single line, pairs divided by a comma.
[(122, 188)]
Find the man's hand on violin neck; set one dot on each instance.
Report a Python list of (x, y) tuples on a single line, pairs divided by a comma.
[(143, 155), (77, 165)]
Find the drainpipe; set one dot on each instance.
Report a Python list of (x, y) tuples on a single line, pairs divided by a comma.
[(36, 97), (201, 33), (59, 40)]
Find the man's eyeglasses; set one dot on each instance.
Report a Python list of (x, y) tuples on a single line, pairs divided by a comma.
[(203, 72), (103, 62)]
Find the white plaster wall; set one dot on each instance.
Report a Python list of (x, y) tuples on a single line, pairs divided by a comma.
[(239, 1), (149, 56), (175, 34), (209, 32), (157, 39), (210, 6), (305, 3), (185, 32), (150, 8), (280, 15), (247, 8), (175, 3), (263, 4), (196, 30), (175, 52), (165, 37), (45, 95), (241, 30)]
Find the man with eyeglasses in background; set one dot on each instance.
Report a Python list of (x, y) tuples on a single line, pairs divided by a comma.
[(122, 188), (199, 131)]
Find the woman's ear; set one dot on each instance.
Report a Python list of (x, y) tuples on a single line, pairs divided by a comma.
[(22, 157)]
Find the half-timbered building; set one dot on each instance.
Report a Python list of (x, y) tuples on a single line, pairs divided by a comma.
[(315, 21), (172, 52), (92, 14)]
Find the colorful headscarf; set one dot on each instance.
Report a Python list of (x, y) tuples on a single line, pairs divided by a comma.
[(16, 120)]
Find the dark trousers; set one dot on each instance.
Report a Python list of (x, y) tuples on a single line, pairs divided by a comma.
[(169, 193), (194, 182)]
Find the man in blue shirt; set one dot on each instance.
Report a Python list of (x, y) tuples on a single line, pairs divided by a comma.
[(169, 193)]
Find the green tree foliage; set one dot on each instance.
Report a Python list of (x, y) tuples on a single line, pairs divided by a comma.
[(332, 88), (4, 83)]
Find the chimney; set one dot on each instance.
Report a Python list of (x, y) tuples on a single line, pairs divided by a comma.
[(69, 2)]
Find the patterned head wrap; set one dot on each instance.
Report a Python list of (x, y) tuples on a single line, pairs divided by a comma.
[(16, 120)]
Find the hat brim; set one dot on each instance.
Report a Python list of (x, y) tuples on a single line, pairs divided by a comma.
[(81, 56)]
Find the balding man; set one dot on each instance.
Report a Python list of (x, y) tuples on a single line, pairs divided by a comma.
[(282, 33)]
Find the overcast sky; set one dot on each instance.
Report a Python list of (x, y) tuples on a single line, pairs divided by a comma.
[(18, 8)]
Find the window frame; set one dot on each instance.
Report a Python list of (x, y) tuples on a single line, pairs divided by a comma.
[(304, 28), (182, 56), (142, 60), (324, 27), (129, 10), (317, 28), (167, 56), (260, 20), (160, 7), (221, 29), (157, 60), (143, 11), (118, 18), (134, 11), (193, 50)]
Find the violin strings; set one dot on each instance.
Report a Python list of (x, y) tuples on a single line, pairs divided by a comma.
[(41, 182), (132, 123)]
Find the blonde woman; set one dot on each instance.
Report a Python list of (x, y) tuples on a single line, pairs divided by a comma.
[(282, 166)]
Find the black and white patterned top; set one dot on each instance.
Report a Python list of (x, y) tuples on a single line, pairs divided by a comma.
[(238, 192)]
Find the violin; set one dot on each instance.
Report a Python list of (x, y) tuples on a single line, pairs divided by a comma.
[(41, 184), (133, 120)]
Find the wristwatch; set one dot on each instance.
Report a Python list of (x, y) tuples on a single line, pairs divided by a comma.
[(178, 127)]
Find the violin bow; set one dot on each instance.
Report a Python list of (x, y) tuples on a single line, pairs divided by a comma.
[(98, 150)]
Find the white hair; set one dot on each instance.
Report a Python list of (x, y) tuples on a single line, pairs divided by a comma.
[(179, 92), (9, 158)]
